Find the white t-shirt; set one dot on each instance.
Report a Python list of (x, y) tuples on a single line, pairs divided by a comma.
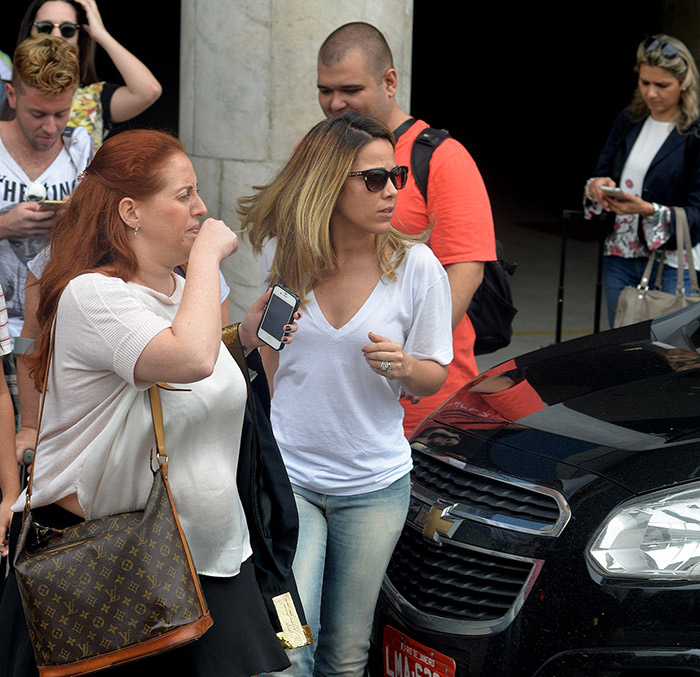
[(59, 179), (651, 137), (337, 423), (97, 430)]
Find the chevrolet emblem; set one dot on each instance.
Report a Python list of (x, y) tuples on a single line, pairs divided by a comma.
[(436, 521)]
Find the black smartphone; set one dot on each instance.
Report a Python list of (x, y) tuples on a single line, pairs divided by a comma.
[(279, 311)]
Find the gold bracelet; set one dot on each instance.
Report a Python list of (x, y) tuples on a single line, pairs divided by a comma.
[(230, 334)]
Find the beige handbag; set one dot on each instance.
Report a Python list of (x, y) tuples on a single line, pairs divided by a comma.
[(640, 303)]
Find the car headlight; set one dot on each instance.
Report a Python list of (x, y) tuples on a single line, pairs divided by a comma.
[(656, 536)]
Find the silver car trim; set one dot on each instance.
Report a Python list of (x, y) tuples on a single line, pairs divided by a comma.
[(461, 510)]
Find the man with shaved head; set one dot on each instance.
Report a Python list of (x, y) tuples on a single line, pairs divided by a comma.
[(356, 71)]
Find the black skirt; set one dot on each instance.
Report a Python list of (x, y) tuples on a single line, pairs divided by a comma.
[(240, 643)]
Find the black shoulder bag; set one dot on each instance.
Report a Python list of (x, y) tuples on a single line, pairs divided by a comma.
[(268, 503)]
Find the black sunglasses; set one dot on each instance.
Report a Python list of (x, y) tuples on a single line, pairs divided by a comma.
[(375, 179), (667, 49), (67, 28)]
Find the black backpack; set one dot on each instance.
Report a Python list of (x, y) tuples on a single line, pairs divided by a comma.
[(491, 310)]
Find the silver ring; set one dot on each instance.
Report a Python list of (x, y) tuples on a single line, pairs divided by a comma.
[(385, 366)]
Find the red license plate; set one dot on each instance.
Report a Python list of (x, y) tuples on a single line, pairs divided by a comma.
[(404, 657)]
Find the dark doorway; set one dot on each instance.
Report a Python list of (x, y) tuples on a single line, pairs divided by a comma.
[(531, 90)]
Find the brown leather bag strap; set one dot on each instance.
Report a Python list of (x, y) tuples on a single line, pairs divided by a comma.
[(162, 457), (156, 414)]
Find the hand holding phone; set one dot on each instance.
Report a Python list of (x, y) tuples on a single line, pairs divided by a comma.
[(612, 192), (51, 205), (280, 309)]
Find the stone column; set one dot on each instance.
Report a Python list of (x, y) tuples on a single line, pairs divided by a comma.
[(248, 94)]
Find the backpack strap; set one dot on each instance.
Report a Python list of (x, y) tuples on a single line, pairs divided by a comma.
[(421, 151), (423, 147), (403, 127)]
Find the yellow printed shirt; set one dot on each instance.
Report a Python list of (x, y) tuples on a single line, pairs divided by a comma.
[(90, 109)]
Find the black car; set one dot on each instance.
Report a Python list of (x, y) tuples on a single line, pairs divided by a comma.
[(554, 526)]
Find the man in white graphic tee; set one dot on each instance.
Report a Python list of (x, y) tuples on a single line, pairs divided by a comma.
[(36, 152), (40, 159)]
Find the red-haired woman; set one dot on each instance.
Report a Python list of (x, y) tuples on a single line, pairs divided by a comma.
[(124, 321)]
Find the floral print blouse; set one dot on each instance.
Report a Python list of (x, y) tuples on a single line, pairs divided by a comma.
[(624, 240)]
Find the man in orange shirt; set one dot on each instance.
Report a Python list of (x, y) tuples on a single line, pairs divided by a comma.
[(356, 72)]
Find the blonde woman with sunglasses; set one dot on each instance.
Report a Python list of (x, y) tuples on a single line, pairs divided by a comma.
[(653, 155), (376, 320)]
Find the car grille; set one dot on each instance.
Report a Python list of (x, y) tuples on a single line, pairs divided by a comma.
[(483, 496), (453, 587)]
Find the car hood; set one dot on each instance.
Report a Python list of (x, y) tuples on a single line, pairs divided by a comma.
[(622, 404)]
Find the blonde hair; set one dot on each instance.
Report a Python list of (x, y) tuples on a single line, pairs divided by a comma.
[(47, 63), (682, 66), (297, 206)]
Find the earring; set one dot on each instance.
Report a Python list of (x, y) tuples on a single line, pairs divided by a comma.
[(136, 230)]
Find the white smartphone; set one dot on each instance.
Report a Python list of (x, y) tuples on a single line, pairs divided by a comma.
[(613, 192), (279, 311)]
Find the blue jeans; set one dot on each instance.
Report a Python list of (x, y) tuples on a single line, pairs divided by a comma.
[(619, 273), (345, 543)]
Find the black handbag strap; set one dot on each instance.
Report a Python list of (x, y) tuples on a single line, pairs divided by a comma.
[(403, 127)]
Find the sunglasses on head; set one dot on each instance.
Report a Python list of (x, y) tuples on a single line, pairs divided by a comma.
[(375, 179), (67, 28), (667, 49)]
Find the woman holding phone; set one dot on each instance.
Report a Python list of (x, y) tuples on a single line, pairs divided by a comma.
[(123, 322), (376, 319), (653, 156), (97, 105)]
